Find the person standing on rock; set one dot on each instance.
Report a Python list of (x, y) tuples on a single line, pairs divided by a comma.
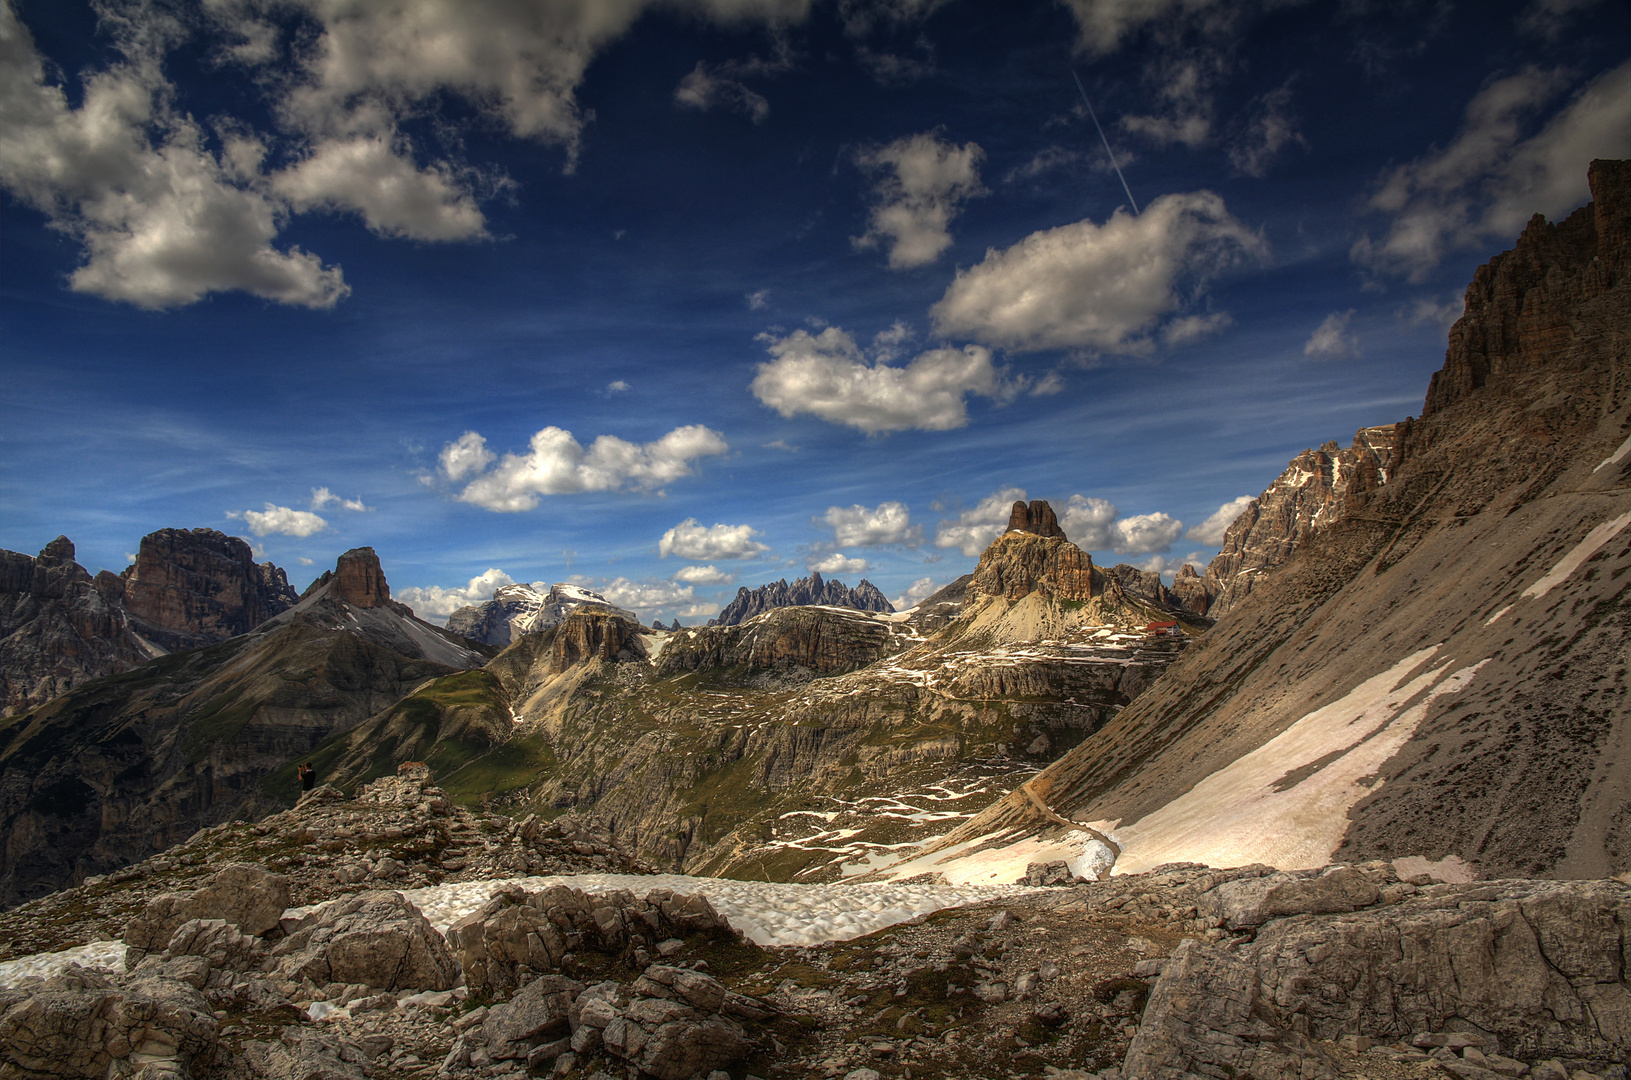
[(308, 776)]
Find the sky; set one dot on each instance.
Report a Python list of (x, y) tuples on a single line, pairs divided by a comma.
[(667, 298)]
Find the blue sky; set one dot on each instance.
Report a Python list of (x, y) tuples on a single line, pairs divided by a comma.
[(808, 284)]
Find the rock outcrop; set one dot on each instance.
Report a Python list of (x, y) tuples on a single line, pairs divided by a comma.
[(377, 939), (193, 587), (58, 627), (804, 591), (797, 642), (1522, 969), (1037, 518), (1438, 667)]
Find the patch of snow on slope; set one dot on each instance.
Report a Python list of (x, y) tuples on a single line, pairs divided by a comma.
[(1286, 803), (964, 866), (1584, 550), (1616, 457)]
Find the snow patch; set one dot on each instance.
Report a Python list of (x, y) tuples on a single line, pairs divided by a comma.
[(1571, 562), (1616, 457), (964, 866), (1286, 803)]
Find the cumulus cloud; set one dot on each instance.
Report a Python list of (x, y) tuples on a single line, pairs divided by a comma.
[(617, 386), (322, 498), (703, 575), (1212, 530), (555, 463), (281, 520), (1184, 83), (1088, 522), (1331, 339), (921, 182), (1142, 534), (375, 176), (465, 456), (972, 531), (689, 540), (858, 526), (839, 563), (161, 219), (1485, 185), (704, 90), (917, 592), (828, 375), (436, 602), (1100, 288), (647, 596)]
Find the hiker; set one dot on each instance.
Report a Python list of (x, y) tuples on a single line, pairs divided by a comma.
[(308, 776)]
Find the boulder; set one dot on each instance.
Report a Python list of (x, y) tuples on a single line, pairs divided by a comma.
[(304, 1054), (79, 1024), (674, 1023), (517, 935), (1539, 965), (1250, 902), (217, 942), (538, 1013), (242, 895), (378, 939)]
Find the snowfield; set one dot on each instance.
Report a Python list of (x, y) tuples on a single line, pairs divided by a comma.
[(768, 913)]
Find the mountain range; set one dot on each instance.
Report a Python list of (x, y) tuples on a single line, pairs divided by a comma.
[(803, 592)]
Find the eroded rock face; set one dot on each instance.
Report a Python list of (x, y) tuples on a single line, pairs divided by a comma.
[(1037, 518), (1540, 965), (814, 641), (1019, 563), (525, 609), (518, 935), (672, 1023), (192, 587), (804, 591), (58, 627), (375, 938), (242, 895), (359, 580)]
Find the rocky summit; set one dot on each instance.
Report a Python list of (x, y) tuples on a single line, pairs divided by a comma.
[(192, 587), (804, 591), (525, 609)]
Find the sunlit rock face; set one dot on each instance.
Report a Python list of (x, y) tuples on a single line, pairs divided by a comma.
[(192, 587)]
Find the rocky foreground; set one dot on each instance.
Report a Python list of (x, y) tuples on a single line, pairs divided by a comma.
[(1349, 971)]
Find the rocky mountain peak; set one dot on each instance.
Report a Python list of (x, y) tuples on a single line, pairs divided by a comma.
[(811, 590), (60, 550), (359, 581), (192, 587), (1020, 562), (1037, 517)]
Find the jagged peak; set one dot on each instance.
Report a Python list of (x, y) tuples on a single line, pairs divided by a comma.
[(1037, 517)]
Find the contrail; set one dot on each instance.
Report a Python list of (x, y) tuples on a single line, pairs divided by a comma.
[(1105, 141)]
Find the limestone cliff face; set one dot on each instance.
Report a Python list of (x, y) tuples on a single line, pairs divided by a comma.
[(58, 628), (1317, 490), (793, 642), (1444, 654), (1020, 563), (192, 587), (1037, 517), (358, 579)]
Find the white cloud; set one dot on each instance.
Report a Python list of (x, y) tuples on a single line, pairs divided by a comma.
[(465, 456), (436, 602), (556, 464), (1488, 182), (1142, 534), (1183, 82), (703, 89), (921, 182), (689, 540), (303, 561), (1047, 160), (1088, 522), (758, 299), (1103, 288), (1212, 530), (1429, 310), (839, 563), (160, 218), (617, 386), (827, 375), (888, 523), (1549, 19), (322, 498), (375, 176), (972, 531), (1331, 339), (917, 592), (281, 519), (641, 597), (703, 575), (1105, 24)]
